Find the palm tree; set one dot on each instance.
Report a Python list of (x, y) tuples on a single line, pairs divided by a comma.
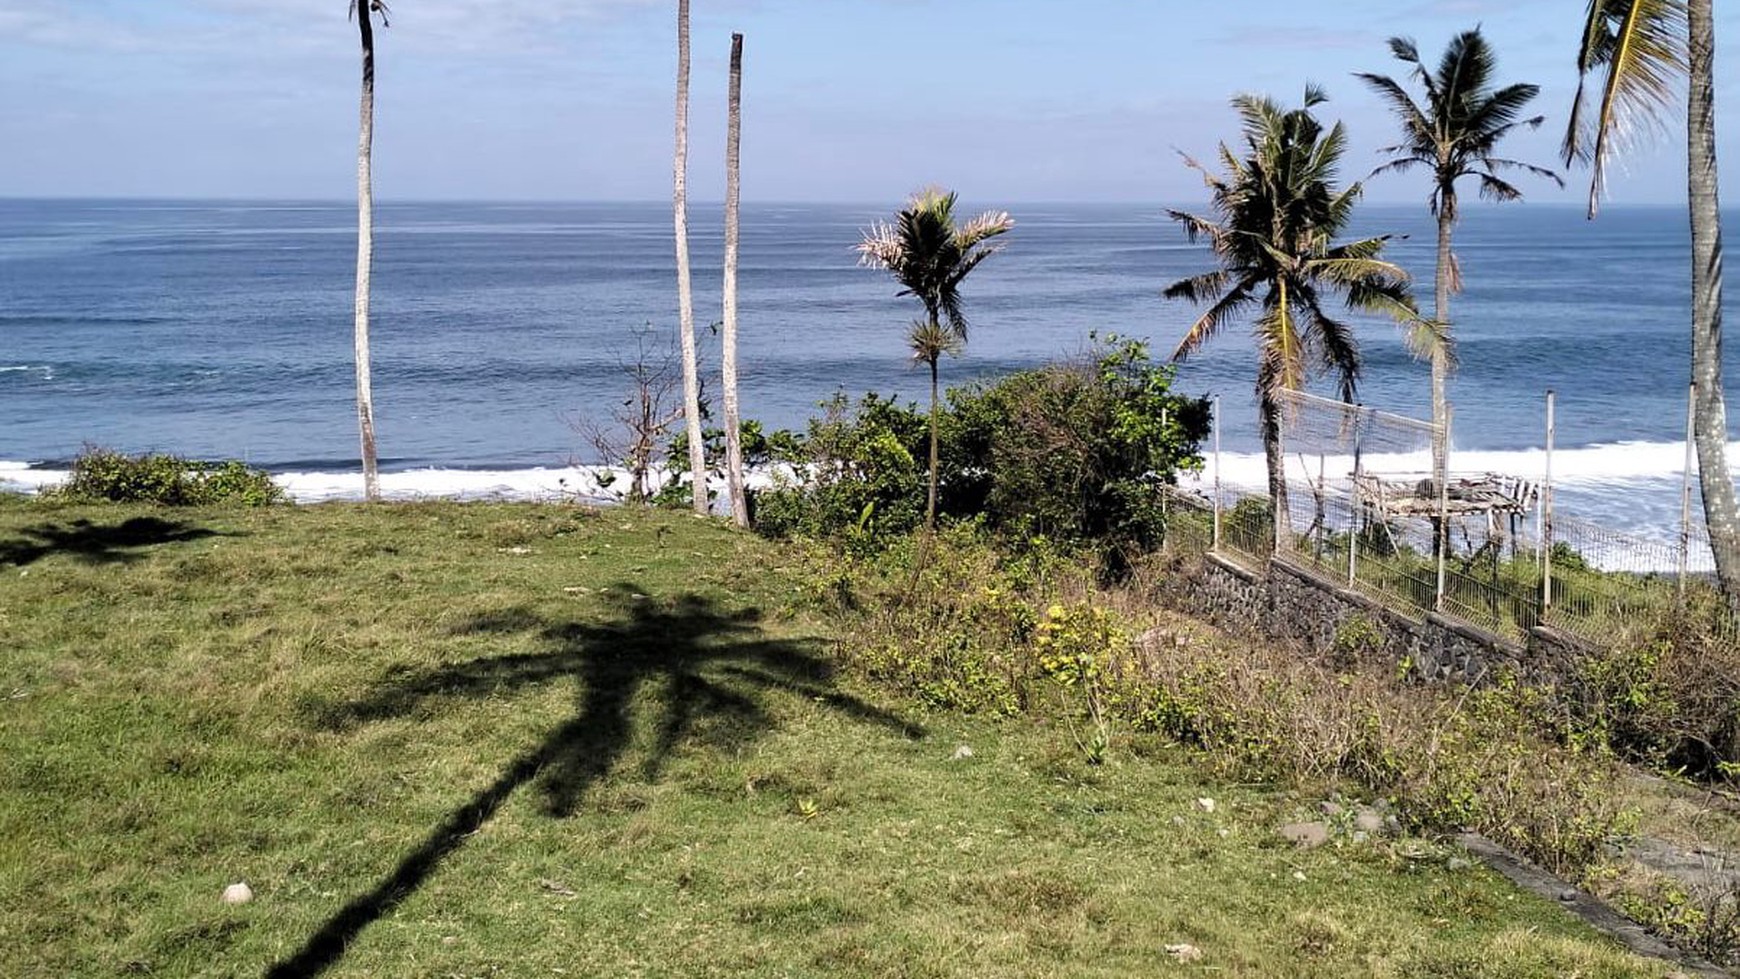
[(1453, 135), (728, 356), (365, 240), (1278, 216), (930, 255), (1642, 46), (685, 295)]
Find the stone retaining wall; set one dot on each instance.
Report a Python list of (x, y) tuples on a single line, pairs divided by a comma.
[(1285, 601)]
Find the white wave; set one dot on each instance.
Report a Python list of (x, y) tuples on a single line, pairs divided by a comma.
[(588, 484), (46, 370), (1616, 465)]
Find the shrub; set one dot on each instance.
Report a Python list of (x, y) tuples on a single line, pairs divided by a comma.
[(1488, 759), (103, 475), (1669, 700), (858, 473), (952, 627), (1075, 451), (1072, 454)]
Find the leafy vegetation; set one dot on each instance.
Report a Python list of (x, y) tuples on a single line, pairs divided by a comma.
[(930, 255), (103, 475), (1070, 454)]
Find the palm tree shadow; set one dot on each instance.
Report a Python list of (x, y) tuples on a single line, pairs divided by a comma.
[(94, 543), (715, 666)]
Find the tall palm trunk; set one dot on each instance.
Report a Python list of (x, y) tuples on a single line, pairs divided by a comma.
[(365, 249), (1274, 454), (1710, 414), (935, 424), (1441, 355), (1441, 358), (728, 358), (685, 296)]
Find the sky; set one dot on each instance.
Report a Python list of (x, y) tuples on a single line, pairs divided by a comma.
[(844, 100)]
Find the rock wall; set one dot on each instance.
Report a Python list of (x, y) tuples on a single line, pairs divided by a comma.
[(1290, 603)]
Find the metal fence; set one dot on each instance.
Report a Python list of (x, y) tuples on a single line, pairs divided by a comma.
[(1483, 548)]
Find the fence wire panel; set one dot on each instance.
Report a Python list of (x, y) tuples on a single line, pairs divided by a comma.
[(1607, 584), (1492, 574), (1337, 536), (1247, 528), (1324, 438), (1189, 522)]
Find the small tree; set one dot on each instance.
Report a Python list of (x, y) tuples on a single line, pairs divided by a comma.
[(930, 255), (1279, 213), (1454, 134), (637, 432)]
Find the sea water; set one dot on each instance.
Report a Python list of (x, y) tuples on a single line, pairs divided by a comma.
[(223, 330)]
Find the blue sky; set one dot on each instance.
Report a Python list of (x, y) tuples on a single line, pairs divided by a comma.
[(845, 100)]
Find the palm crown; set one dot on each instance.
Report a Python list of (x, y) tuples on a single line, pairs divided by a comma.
[(930, 256), (1279, 216), (1455, 132)]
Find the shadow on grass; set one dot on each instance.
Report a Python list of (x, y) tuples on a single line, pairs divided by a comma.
[(714, 668), (94, 543)]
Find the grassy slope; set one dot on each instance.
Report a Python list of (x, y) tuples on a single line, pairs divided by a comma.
[(488, 740)]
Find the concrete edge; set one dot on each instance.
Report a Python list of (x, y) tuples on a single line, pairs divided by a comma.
[(1584, 905), (1232, 567)]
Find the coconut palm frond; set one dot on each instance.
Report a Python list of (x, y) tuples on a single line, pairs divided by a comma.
[(1283, 349), (1196, 227), (1199, 288), (1414, 120), (376, 6), (1209, 323), (1337, 350), (1640, 47), (929, 341), (1495, 164), (1495, 189), (987, 225)]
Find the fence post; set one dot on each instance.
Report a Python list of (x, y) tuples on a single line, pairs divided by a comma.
[(1214, 543), (1353, 525), (1686, 494), (1547, 512), (1443, 514)]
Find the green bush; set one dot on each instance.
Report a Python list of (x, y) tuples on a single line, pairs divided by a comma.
[(1070, 454), (1075, 451), (102, 475), (858, 473)]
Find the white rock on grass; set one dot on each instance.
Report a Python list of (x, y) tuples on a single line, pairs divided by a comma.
[(1184, 952), (238, 893)]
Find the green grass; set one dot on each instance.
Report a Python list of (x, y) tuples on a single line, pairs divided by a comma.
[(503, 740)]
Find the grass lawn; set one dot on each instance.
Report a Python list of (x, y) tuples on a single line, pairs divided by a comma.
[(510, 740)]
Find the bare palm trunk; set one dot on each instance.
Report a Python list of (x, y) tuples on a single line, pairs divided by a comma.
[(685, 296), (935, 416), (1441, 359), (1274, 454), (1710, 415), (728, 358), (365, 248)]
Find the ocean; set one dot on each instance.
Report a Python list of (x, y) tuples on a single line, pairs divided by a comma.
[(220, 329)]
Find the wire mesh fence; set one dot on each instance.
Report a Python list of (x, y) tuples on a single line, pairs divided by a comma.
[(1363, 508)]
